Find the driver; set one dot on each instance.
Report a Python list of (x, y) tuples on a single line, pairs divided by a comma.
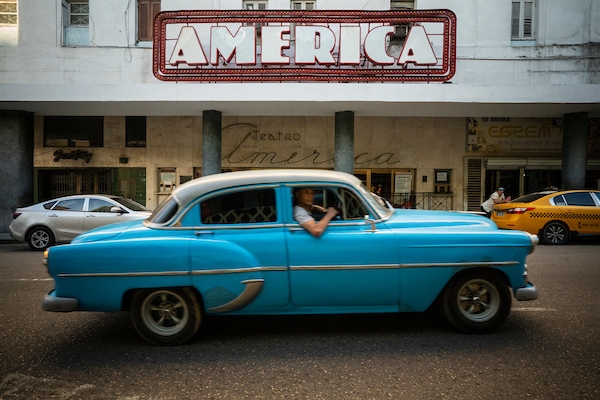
[(303, 208)]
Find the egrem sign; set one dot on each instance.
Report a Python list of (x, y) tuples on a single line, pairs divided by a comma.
[(342, 46)]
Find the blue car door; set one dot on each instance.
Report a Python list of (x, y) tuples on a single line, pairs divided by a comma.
[(238, 255), (350, 265)]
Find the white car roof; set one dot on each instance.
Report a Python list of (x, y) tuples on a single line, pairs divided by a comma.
[(190, 190)]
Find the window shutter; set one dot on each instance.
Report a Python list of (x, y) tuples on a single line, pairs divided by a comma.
[(515, 20), (143, 8), (474, 183), (147, 10), (528, 20)]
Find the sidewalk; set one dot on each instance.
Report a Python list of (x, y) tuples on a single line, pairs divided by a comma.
[(6, 238)]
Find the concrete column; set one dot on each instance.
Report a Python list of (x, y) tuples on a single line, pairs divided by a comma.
[(16, 168), (211, 142), (574, 151), (344, 141)]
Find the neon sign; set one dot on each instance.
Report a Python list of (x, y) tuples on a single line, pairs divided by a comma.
[(342, 46)]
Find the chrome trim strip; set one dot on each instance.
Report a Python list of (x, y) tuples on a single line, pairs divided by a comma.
[(340, 267), (122, 274), (238, 270), (283, 269), (251, 291), (462, 264), (172, 273)]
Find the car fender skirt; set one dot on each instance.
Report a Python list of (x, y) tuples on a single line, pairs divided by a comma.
[(251, 291), (59, 304), (529, 292)]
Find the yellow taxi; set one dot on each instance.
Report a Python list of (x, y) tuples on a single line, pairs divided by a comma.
[(553, 216)]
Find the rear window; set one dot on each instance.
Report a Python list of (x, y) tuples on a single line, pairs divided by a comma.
[(49, 205), (528, 198), (132, 205), (164, 212)]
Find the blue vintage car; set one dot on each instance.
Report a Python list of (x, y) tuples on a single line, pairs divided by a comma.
[(228, 244)]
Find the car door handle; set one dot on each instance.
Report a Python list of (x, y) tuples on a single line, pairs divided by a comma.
[(90, 216), (296, 229), (52, 216), (198, 233)]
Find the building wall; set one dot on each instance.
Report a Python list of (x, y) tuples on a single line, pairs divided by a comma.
[(381, 143), (16, 168)]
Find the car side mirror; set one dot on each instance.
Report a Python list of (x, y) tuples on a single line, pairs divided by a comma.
[(117, 210)]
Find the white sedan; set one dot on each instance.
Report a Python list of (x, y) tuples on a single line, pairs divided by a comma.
[(60, 220)]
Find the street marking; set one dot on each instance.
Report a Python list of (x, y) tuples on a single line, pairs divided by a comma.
[(534, 309)]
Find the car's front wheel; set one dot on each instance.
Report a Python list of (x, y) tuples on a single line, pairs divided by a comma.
[(555, 233), (166, 316), (477, 301), (40, 238)]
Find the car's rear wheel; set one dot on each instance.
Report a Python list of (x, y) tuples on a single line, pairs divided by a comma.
[(555, 233), (40, 238), (166, 316), (477, 301)]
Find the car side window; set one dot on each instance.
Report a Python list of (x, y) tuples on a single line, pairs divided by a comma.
[(99, 205), (579, 199), (69, 205), (241, 207), (349, 205), (49, 205)]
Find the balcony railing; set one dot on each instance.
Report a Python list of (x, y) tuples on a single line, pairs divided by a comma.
[(423, 200)]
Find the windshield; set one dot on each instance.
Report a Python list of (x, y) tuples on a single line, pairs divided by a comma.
[(375, 202), (132, 205), (165, 211)]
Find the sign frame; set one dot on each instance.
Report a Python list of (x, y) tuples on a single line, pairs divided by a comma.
[(443, 71)]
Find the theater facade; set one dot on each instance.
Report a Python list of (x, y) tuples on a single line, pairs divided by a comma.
[(416, 98)]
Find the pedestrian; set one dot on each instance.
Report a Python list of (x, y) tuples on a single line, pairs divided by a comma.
[(496, 198)]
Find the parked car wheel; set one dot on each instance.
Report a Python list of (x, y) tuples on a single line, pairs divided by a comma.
[(477, 302), (166, 316), (40, 238), (555, 233)]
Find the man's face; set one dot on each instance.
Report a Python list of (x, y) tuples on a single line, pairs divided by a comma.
[(305, 197)]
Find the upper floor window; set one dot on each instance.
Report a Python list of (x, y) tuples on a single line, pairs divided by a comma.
[(255, 5), (79, 13), (400, 30), (73, 131), (8, 12), (304, 5), (135, 131), (402, 5), (522, 21), (147, 10)]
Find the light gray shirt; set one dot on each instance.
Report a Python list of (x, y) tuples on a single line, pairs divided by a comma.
[(301, 215)]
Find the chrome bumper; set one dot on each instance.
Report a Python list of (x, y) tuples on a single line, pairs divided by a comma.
[(59, 304), (529, 292)]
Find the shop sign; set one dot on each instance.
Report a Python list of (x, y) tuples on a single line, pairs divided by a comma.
[(343, 46), (505, 135), (73, 155)]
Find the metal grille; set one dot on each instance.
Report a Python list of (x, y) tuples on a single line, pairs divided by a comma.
[(474, 182), (65, 183), (424, 201)]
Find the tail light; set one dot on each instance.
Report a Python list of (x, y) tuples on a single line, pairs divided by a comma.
[(16, 214), (519, 210)]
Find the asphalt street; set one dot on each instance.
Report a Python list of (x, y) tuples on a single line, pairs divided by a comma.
[(548, 348)]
